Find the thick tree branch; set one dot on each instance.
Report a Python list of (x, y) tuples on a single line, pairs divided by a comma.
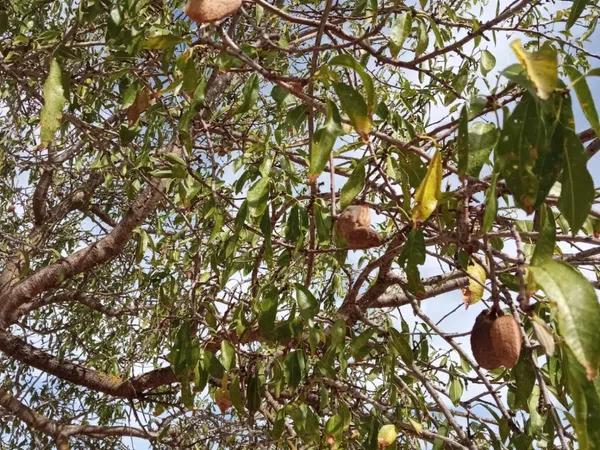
[(86, 259)]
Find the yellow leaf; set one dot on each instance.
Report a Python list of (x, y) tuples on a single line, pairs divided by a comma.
[(387, 435), (544, 335), (474, 291), (541, 67), (363, 127), (428, 193)]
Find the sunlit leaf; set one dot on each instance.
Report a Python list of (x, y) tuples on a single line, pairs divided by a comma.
[(323, 141), (488, 62), (401, 29), (347, 60), (475, 289), (354, 186), (541, 67), (584, 95), (577, 186), (54, 102), (356, 108), (428, 193), (576, 10), (578, 310)]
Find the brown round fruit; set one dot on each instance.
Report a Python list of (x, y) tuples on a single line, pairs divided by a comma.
[(206, 11), (495, 340), (354, 226), (506, 340), (481, 344)]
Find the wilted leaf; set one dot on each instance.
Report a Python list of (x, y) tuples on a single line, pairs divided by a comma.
[(474, 291), (140, 104), (541, 67), (428, 193), (544, 335), (162, 41)]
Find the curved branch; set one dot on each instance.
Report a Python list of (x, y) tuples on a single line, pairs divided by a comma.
[(59, 431), (98, 253)]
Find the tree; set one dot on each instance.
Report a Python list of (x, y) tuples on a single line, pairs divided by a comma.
[(187, 254)]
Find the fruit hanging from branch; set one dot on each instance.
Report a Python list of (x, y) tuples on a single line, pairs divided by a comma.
[(495, 340), (207, 11), (354, 226)]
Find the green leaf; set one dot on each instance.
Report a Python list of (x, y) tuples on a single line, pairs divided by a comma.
[(577, 186), (422, 38), (482, 138), (576, 10), (258, 195), (353, 104), (578, 310), (521, 142), (236, 395), (162, 41), (308, 304), (524, 374), (400, 344), (455, 390), (541, 67), (544, 247), (400, 30), (586, 403), (323, 141), (348, 61), (253, 389), (354, 185), (488, 62), (463, 142), (54, 102), (584, 95), (295, 364), (268, 312), (250, 95), (413, 252), (338, 333), (491, 205), (428, 193), (227, 355)]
